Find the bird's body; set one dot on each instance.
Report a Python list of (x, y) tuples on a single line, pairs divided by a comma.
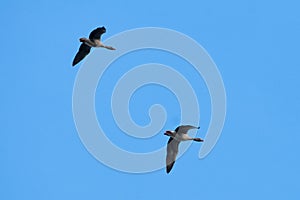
[(91, 43), (180, 134), (181, 137), (94, 40)]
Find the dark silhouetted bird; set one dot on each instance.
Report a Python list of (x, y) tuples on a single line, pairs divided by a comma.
[(94, 40)]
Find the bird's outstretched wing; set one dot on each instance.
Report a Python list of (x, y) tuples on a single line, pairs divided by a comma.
[(172, 151), (84, 50), (96, 33), (185, 128)]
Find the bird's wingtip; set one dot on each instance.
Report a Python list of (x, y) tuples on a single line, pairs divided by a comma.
[(169, 167), (198, 127), (75, 62)]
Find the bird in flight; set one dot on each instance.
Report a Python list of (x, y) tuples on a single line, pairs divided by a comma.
[(94, 40), (180, 134)]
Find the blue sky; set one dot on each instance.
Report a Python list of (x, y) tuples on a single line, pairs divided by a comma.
[(255, 45)]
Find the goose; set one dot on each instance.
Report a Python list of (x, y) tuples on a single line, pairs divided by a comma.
[(88, 43), (180, 134)]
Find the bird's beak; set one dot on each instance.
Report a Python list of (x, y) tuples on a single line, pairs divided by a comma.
[(168, 133)]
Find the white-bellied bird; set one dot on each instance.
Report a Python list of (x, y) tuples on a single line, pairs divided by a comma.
[(180, 134)]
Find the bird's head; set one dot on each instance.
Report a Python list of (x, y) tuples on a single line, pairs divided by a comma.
[(169, 133), (198, 140)]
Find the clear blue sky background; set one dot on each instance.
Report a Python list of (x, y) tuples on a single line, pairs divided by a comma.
[(255, 45)]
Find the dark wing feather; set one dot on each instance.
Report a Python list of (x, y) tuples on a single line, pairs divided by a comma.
[(169, 167), (82, 52), (172, 151), (96, 33)]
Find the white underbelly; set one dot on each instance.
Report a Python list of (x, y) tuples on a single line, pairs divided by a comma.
[(182, 137), (98, 43)]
